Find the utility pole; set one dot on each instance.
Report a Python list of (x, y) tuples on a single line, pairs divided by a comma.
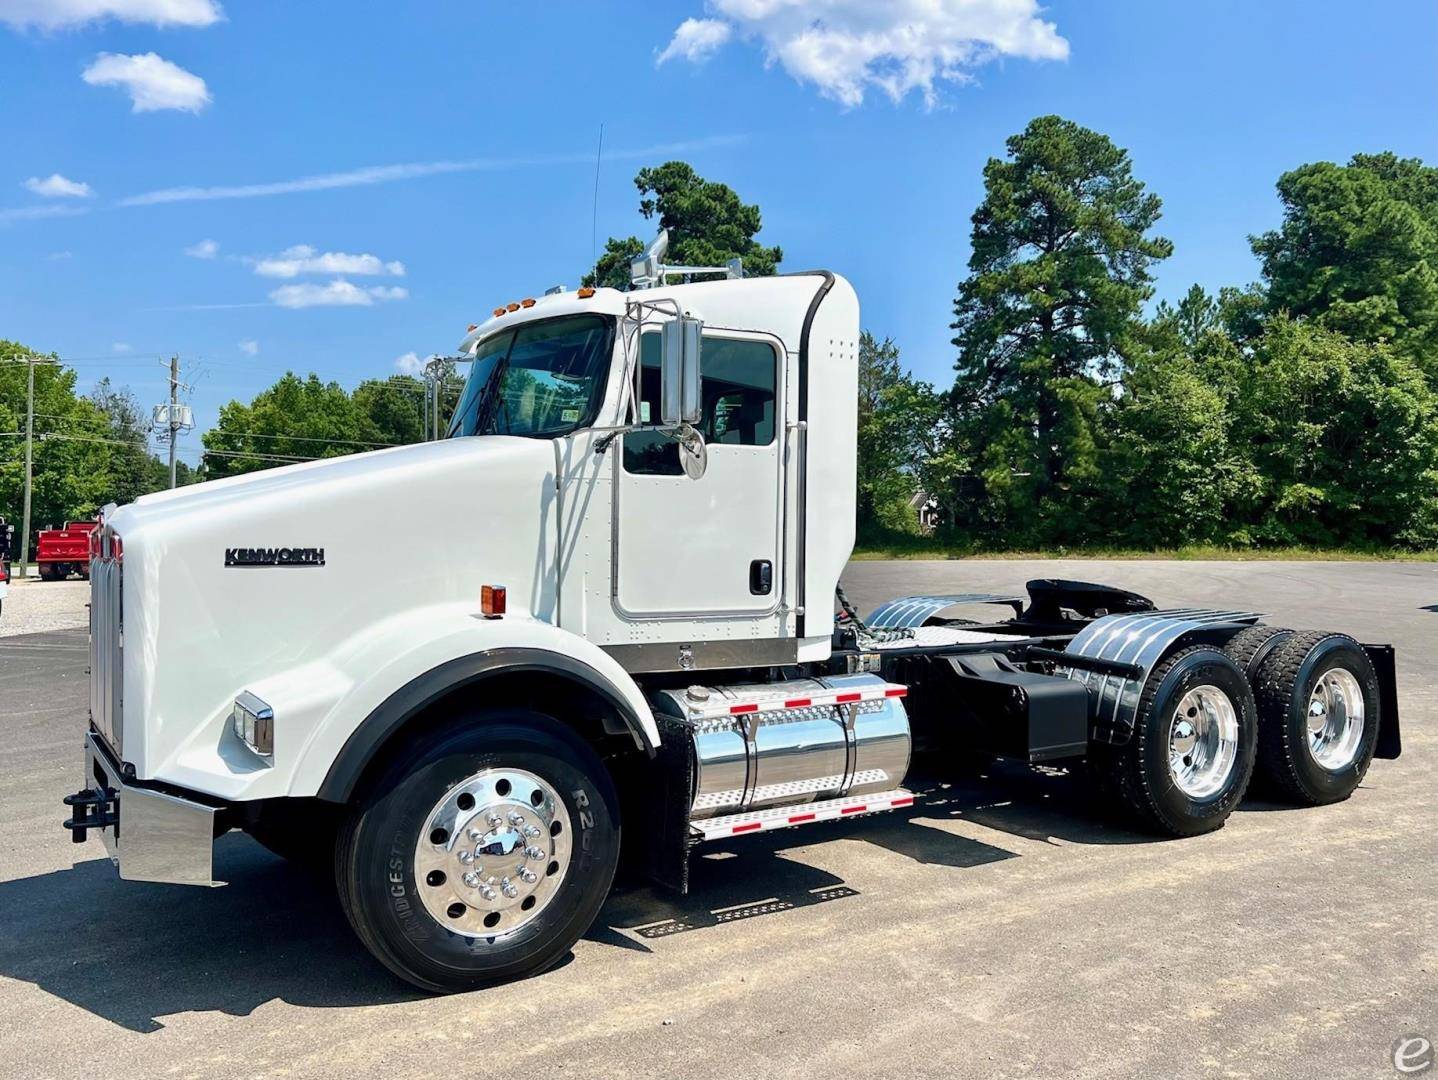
[(29, 462), (173, 418), (174, 412)]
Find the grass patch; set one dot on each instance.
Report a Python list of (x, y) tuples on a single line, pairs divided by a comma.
[(920, 547)]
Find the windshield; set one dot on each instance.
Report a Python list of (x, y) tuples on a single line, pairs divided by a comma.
[(541, 379)]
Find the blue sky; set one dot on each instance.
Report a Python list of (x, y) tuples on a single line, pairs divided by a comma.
[(861, 129)]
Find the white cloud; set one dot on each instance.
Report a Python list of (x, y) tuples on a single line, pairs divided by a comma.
[(120, 347), (696, 40), (60, 256), (250, 348), (31, 213), (848, 47), (152, 82), (337, 293), (67, 14), (303, 259), (409, 364), (205, 249), (56, 186), (387, 174)]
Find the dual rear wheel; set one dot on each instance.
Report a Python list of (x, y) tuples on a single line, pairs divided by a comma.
[(1298, 710)]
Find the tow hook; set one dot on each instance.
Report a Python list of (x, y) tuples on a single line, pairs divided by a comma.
[(95, 808)]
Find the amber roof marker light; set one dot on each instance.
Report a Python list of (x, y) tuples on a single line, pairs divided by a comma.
[(585, 293)]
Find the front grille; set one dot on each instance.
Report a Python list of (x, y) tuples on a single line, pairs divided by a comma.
[(106, 643)]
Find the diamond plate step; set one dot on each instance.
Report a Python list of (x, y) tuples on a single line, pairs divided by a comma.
[(783, 817)]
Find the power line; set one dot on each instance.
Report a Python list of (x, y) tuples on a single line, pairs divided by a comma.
[(253, 456), (227, 433), (46, 436)]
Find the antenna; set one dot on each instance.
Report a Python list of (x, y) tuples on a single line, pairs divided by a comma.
[(594, 221)]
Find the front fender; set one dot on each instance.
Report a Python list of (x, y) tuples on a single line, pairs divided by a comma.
[(384, 671), (469, 649)]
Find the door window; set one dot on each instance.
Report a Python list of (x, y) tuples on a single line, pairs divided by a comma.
[(740, 393)]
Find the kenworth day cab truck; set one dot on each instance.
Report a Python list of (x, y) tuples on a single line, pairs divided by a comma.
[(627, 627)]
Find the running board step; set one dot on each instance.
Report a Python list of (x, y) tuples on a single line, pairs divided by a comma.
[(783, 817)]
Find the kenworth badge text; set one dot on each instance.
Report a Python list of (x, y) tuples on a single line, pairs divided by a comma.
[(624, 627)]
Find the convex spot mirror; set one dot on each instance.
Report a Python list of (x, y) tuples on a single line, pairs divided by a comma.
[(681, 388), (693, 454)]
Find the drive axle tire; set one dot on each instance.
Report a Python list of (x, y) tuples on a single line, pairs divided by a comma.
[(482, 852), (1251, 647), (1318, 707), (1191, 755)]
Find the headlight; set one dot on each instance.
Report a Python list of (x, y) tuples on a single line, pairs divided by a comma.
[(254, 723)]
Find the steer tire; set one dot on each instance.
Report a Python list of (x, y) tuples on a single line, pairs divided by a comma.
[(431, 932), (1137, 778), (1286, 686)]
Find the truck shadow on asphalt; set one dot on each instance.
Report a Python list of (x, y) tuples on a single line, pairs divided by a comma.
[(751, 876), (133, 953)]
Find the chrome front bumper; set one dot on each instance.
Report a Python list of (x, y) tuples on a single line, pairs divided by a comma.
[(150, 835)]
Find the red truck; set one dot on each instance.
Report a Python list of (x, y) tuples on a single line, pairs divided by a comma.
[(62, 552)]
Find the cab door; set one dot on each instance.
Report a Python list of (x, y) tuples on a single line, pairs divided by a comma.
[(713, 546)]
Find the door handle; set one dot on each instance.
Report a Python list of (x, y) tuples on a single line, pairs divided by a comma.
[(761, 577)]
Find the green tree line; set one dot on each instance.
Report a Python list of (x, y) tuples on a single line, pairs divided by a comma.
[(1301, 409), (89, 449)]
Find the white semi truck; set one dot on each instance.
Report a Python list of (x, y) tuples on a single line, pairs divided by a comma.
[(625, 628)]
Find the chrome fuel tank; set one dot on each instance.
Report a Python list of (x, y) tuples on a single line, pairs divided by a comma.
[(784, 744)]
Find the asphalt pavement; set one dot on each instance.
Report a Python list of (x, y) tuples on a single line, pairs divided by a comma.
[(1001, 928)]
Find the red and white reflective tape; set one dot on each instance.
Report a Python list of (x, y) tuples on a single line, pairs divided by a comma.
[(784, 817), (829, 698)]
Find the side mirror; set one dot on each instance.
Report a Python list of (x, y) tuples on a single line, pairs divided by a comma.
[(681, 394)]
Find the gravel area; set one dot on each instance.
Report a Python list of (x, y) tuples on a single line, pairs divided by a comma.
[(37, 607)]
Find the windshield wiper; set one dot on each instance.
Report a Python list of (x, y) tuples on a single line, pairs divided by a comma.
[(493, 390)]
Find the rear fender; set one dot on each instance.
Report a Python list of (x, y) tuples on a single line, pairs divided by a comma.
[(1128, 647)]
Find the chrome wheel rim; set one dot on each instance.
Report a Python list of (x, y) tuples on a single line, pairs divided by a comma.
[(1203, 742), (1336, 719), (493, 853)]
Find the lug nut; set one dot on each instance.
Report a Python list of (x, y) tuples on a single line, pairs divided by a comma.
[(495, 821), (471, 879), (508, 888), (476, 835), (486, 892), (516, 818), (531, 831), (533, 852), (528, 876), (466, 857)]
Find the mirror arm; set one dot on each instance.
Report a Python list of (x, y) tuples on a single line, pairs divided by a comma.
[(677, 433)]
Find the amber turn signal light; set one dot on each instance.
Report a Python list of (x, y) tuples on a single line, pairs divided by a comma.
[(491, 601)]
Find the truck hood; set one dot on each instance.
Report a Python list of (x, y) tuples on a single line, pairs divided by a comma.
[(236, 579)]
